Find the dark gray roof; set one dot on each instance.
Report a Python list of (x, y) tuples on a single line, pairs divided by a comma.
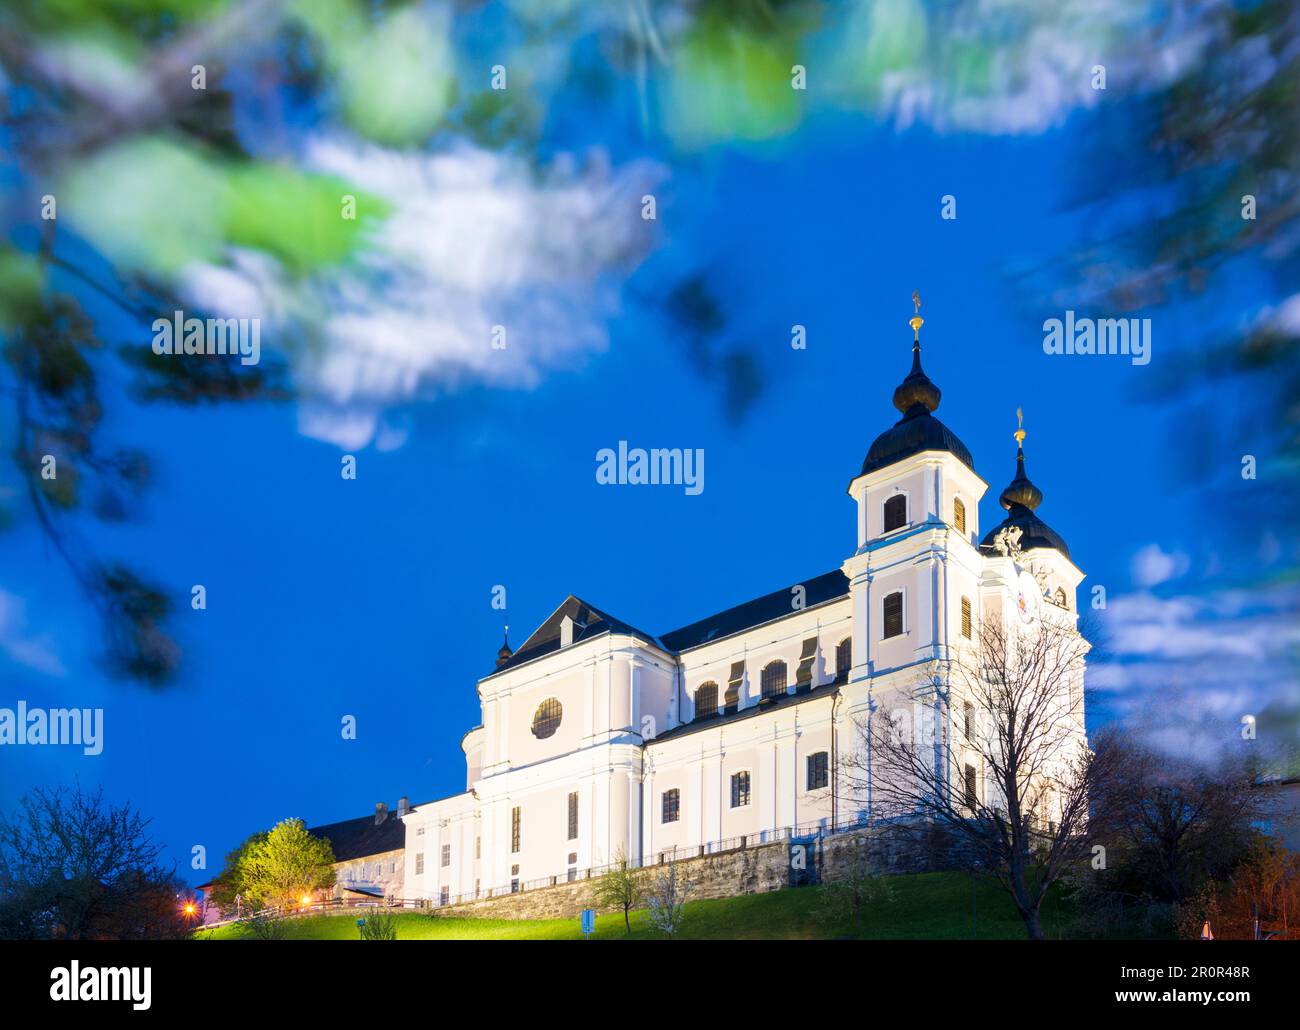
[(915, 432), (589, 621), (818, 590), (1034, 532), (361, 838)]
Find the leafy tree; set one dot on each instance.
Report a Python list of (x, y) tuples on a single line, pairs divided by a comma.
[(77, 868), (227, 890), (620, 888), (287, 863)]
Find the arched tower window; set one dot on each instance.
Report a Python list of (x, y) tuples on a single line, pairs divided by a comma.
[(893, 614), (774, 681), (1060, 598), (706, 701), (843, 658), (959, 515), (895, 512)]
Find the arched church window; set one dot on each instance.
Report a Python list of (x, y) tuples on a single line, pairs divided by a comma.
[(959, 515), (731, 702), (774, 681), (546, 720), (893, 614), (843, 658), (1060, 598), (895, 512), (706, 701)]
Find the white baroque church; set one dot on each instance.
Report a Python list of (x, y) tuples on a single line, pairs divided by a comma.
[(599, 741)]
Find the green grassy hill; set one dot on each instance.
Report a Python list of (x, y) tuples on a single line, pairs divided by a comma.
[(926, 905)]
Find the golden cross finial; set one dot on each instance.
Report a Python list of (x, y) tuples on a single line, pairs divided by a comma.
[(1019, 434), (916, 321)]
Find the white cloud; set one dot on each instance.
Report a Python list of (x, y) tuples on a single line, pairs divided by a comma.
[(34, 651), (474, 240), (1152, 566), (1185, 669)]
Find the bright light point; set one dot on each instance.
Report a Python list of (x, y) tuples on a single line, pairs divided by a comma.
[(306, 899)]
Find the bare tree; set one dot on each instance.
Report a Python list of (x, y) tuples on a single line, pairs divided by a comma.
[(75, 867), (990, 748), (666, 902), (1171, 823)]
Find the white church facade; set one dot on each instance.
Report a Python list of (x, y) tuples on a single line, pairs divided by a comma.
[(599, 741)]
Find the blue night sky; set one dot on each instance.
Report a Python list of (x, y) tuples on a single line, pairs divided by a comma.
[(373, 598)]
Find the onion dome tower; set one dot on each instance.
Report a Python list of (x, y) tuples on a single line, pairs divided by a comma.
[(918, 430), (1021, 498)]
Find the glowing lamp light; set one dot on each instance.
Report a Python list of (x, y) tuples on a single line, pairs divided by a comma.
[(306, 899), (189, 908)]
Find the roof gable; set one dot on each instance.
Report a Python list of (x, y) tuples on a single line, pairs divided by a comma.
[(589, 622)]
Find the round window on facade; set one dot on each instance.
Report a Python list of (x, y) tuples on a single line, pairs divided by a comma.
[(546, 720)]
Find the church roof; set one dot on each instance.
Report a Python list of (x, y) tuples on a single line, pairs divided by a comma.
[(818, 590), (913, 434), (361, 838), (591, 622)]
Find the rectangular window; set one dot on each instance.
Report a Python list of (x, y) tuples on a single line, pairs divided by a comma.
[(972, 788), (444, 895), (818, 770), (514, 831), (893, 612), (446, 855), (965, 618), (968, 726), (739, 789), (672, 802), (419, 863), (573, 816), (478, 847), (959, 516)]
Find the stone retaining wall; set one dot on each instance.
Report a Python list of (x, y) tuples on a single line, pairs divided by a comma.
[(749, 870)]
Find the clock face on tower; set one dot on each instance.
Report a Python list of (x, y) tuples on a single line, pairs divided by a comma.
[(1027, 597)]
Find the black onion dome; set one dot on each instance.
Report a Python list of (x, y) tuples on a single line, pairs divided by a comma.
[(1020, 498), (918, 430), (1021, 490)]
